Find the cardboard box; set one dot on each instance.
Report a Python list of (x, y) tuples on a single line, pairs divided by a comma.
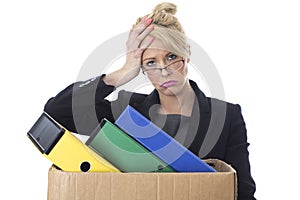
[(221, 185)]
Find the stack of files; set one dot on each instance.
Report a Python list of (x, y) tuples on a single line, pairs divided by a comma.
[(123, 151), (160, 143), (64, 149)]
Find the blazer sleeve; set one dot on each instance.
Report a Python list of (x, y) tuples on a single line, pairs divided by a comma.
[(81, 105), (238, 156)]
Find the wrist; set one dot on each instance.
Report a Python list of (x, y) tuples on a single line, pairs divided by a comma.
[(119, 77)]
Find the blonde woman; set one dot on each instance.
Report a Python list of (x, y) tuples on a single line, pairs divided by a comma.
[(158, 46)]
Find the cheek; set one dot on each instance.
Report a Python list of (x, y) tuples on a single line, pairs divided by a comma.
[(182, 72), (185, 69), (154, 80)]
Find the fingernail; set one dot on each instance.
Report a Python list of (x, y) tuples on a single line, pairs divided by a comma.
[(149, 20), (150, 27), (144, 18)]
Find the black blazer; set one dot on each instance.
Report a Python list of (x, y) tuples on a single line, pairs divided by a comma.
[(219, 127)]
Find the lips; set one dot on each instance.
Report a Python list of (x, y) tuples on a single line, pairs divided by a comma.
[(168, 84)]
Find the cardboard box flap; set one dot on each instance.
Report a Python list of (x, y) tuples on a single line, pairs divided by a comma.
[(220, 165)]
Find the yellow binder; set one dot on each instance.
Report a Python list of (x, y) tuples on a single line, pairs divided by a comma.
[(64, 149)]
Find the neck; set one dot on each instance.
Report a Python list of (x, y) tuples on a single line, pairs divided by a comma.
[(181, 103)]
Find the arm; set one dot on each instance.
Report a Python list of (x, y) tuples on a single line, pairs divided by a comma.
[(75, 106), (238, 156), (81, 106)]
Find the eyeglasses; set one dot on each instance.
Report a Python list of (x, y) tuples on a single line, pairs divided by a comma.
[(156, 71)]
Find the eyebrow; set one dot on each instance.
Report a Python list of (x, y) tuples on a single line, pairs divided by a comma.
[(153, 58), (149, 59)]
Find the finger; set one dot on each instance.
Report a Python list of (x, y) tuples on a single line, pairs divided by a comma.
[(135, 42), (141, 27), (139, 33), (144, 34), (138, 39), (146, 43), (138, 53)]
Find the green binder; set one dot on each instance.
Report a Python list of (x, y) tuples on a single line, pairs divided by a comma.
[(123, 151)]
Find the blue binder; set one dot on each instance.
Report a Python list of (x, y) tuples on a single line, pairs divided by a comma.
[(160, 143)]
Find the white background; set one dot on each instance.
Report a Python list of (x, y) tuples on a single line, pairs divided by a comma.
[(255, 46)]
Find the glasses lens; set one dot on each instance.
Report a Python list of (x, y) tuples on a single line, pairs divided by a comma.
[(157, 70), (153, 72), (176, 65)]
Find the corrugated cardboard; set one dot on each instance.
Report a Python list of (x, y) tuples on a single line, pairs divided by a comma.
[(221, 185)]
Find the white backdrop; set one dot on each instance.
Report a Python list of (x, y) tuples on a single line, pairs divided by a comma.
[(254, 45)]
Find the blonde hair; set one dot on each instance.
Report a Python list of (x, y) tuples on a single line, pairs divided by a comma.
[(168, 29)]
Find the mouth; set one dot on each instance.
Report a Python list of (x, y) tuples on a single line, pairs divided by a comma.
[(168, 84)]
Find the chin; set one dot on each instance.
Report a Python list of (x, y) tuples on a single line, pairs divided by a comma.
[(171, 91)]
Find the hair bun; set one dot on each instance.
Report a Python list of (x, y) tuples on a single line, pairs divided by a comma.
[(163, 16), (165, 7)]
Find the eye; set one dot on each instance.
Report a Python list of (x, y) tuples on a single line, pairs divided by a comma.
[(150, 64), (171, 57)]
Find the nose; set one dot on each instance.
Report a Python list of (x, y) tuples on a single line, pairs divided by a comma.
[(165, 72)]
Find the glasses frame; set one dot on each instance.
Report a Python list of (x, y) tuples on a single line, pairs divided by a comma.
[(162, 68)]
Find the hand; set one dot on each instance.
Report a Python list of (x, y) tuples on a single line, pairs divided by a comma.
[(136, 44)]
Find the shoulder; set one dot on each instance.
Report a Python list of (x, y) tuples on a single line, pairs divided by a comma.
[(214, 102), (225, 110), (210, 102), (230, 116)]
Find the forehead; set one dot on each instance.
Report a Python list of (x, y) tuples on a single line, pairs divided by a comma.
[(156, 49)]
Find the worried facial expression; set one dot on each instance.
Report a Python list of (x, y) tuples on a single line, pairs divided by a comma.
[(166, 70)]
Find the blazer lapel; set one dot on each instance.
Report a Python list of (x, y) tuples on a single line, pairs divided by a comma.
[(199, 122), (144, 107), (200, 118)]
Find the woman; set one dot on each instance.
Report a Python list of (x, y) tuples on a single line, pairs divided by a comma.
[(158, 46)]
